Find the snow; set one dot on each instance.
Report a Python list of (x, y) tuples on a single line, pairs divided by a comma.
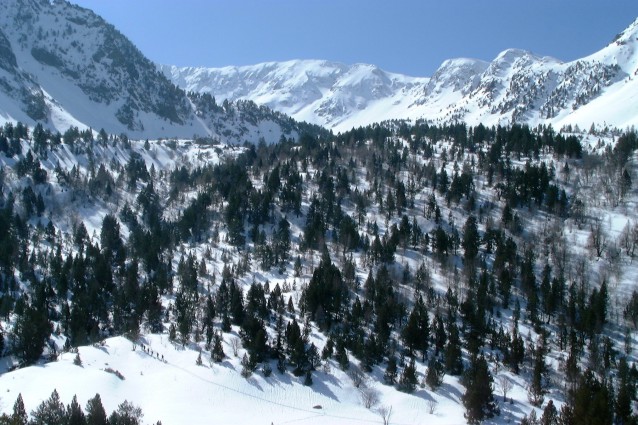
[(83, 86), (517, 86), (341, 96), (178, 391), (175, 390), (618, 108)]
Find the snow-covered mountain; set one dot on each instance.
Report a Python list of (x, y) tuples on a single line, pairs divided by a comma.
[(517, 86), (325, 93), (62, 65)]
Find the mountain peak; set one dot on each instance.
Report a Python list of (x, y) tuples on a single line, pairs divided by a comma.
[(519, 58), (62, 65), (517, 86), (629, 34)]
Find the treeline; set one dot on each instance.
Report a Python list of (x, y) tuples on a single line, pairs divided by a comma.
[(53, 412)]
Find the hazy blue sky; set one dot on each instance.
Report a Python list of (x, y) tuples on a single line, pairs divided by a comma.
[(407, 36)]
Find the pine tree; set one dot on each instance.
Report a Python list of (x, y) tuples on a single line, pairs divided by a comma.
[(516, 349), (591, 402), (342, 356), (172, 332), (435, 373), (19, 415), (95, 413), (625, 393), (416, 333), (218, 350), (281, 241), (328, 349), (308, 379), (390, 375), (185, 312), (478, 398), (408, 380), (536, 390), (290, 306), (550, 414), (440, 336), (126, 414), (471, 240), (281, 364), (49, 412), (410, 333), (74, 413), (246, 368), (453, 354), (31, 330)]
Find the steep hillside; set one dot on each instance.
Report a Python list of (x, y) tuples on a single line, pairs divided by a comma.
[(65, 66), (516, 87), (320, 92), (449, 272)]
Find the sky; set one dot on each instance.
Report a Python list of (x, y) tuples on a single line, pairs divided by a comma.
[(410, 37)]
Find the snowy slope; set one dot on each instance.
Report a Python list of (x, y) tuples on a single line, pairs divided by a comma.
[(321, 92), (517, 86), (177, 391), (619, 103), (64, 66)]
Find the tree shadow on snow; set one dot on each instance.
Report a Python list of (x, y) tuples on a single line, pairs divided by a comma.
[(227, 364), (253, 383), (101, 348), (319, 380), (449, 391), (510, 412), (424, 394), (318, 385), (328, 377)]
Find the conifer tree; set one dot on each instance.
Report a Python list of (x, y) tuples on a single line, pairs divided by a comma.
[(218, 350), (453, 354), (626, 393), (49, 412), (31, 330), (416, 334), (478, 398), (440, 336), (95, 413), (342, 356), (470, 241), (19, 415), (74, 413), (328, 349), (591, 402), (408, 380), (308, 379), (550, 414), (390, 375), (246, 368), (537, 390), (435, 373), (126, 414)]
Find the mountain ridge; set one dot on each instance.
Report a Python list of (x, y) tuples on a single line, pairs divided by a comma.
[(65, 66), (518, 86)]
